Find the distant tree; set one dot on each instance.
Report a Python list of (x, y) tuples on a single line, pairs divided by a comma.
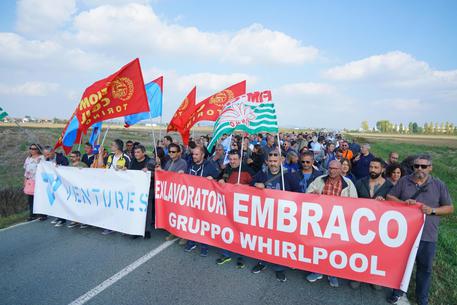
[(365, 126), (384, 126), (415, 128), (410, 127), (401, 128)]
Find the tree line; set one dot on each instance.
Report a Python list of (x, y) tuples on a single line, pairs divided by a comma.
[(385, 126)]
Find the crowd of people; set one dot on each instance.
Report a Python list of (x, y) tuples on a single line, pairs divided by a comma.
[(306, 163)]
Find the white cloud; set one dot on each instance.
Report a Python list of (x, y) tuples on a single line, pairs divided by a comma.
[(136, 28), (33, 88), (307, 89), (43, 17), (396, 68), (45, 54)]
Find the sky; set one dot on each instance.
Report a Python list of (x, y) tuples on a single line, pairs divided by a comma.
[(329, 64)]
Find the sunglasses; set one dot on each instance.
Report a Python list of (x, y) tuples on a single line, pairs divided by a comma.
[(33, 148), (304, 161), (423, 166), (173, 151), (273, 154)]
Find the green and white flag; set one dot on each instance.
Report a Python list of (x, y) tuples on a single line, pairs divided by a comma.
[(3, 114), (252, 112)]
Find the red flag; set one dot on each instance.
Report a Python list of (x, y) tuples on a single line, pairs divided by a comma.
[(183, 113), (118, 95), (210, 108)]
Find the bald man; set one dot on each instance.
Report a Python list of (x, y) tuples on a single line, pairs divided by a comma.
[(332, 184)]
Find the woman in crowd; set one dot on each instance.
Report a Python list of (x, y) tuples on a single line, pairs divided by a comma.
[(394, 172), (30, 165), (346, 169)]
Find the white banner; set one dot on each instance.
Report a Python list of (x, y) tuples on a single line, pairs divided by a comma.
[(115, 200)]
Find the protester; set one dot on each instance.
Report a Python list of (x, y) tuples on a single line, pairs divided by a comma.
[(361, 162), (291, 165), (30, 166), (178, 165), (434, 196), (269, 146), (257, 158), (88, 157), (347, 153), (60, 160), (203, 168), (346, 169), (117, 160), (374, 187), (394, 172), (307, 172), (141, 161), (271, 179), (333, 184), (167, 140), (129, 149), (230, 175), (393, 158), (218, 158), (330, 155), (75, 161), (57, 158)]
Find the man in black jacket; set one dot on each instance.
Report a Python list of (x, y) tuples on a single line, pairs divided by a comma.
[(376, 187)]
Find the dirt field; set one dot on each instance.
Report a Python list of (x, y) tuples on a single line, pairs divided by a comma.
[(431, 140)]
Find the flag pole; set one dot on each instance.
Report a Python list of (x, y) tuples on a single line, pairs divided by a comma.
[(153, 137), (80, 141), (160, 128), (104, 137), (280, 160), (241, 162)]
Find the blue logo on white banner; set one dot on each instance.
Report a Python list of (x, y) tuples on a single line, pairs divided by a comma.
[(115, 200), (53, 183)]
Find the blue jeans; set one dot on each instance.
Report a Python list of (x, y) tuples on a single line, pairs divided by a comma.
[(424, 263)]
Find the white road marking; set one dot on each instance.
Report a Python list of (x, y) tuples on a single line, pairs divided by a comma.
[(18, 225), (112, 280)]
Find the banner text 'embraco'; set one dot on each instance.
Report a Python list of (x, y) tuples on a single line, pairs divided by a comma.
[(358, 239)]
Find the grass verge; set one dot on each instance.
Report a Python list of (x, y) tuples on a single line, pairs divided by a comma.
[(13, 219)]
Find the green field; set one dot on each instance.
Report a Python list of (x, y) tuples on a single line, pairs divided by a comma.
[(15, 142)]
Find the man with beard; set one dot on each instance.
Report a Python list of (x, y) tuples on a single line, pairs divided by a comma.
[(142, 162), (434, 196), (376, 187), (271, 179)]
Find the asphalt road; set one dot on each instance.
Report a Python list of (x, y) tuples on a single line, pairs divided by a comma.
[(41, 264)]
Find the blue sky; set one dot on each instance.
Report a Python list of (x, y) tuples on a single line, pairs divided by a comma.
[(328, 63)]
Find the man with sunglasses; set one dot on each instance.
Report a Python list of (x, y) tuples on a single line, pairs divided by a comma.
[(271, 179), (307, 172), (347, 153), (420, 187)]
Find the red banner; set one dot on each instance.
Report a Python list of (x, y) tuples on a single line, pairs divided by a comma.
[(118, 95), (210, 108), (359, 239), (183, 114)]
